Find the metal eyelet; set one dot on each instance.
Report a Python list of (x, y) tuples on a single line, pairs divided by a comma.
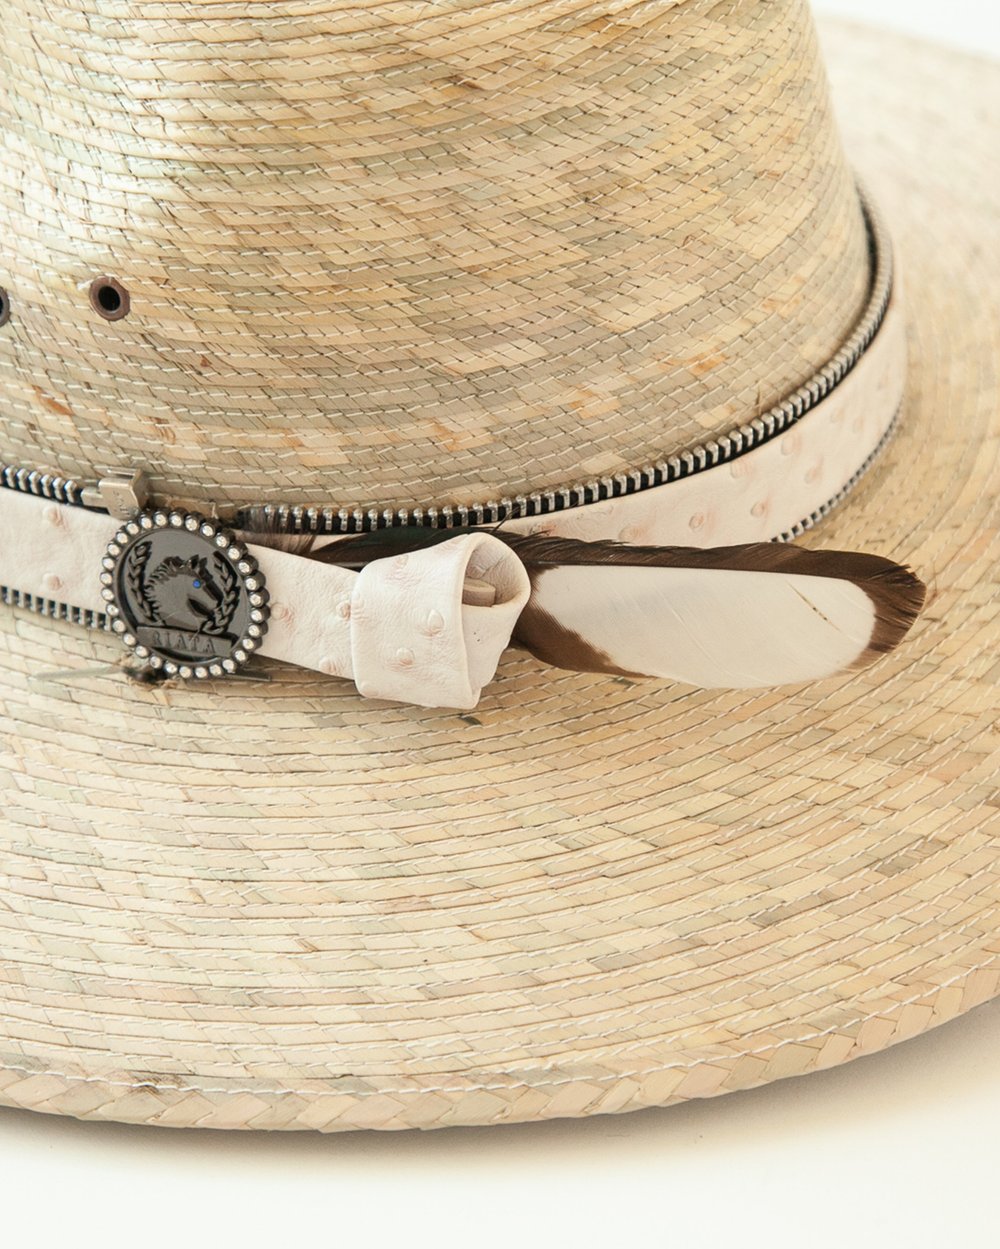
[(4, 306), (109, 299)]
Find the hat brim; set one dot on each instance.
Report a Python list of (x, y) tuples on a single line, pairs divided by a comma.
[(286, 907)]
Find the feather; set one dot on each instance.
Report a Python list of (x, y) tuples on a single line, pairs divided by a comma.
[(722, 617), (360, 549), (262, 527)]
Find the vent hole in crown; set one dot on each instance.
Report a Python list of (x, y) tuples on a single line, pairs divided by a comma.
[(4, 306), (109, 298)]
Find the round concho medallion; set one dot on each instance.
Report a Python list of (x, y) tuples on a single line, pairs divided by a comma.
[(184, 594)]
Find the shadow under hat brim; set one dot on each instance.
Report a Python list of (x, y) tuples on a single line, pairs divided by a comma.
[(277, 905)]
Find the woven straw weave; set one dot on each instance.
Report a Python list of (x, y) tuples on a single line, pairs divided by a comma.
[(281, 906), (411, 253)]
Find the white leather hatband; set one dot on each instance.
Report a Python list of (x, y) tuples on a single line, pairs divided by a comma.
[(403, 628)]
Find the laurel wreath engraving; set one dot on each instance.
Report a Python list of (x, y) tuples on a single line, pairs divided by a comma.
[(224, 586), (226, 607), (135, 579)]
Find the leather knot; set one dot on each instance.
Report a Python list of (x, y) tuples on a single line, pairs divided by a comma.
[(403, 628), (414, 639)]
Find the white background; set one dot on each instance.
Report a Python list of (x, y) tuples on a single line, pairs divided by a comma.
[(900, 1149), (973, 25)]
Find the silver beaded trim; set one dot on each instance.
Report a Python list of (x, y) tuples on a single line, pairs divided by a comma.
[(291, 518), (246, 579), (721, 450), (57, 611), (99, 620), (45, 485), (826, 508), (287, 518)]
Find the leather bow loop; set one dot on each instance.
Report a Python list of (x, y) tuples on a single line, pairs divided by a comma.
[(399, 628), (414, 639), (395, 612)]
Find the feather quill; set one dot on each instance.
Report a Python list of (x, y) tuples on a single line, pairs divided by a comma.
[(722, 617)]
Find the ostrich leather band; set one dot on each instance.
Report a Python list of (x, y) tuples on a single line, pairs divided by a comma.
[(403, 629)]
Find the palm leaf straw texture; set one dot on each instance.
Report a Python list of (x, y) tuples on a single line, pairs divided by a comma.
[(409, 253)]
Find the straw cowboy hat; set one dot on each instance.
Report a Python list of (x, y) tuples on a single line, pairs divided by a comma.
[(408, 715)]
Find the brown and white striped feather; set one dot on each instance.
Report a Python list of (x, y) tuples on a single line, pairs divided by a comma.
[(726, 617), (723, 617)]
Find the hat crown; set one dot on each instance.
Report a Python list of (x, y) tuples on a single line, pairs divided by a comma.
[(398, 254)]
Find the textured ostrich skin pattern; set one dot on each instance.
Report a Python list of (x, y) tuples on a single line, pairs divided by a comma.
[(400, 630), (768, 491)]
